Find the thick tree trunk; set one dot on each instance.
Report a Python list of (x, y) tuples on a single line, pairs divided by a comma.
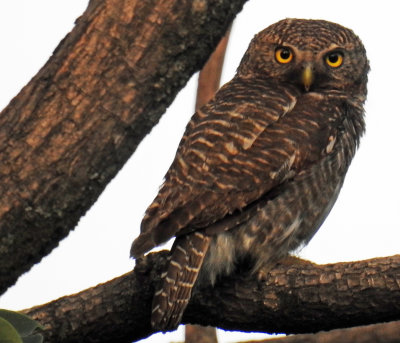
[(297, 297), (70, 130)]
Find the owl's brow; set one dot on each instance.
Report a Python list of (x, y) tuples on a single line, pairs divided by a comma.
[(287, 32)]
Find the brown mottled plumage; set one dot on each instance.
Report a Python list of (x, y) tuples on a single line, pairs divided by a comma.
[(261, 165)]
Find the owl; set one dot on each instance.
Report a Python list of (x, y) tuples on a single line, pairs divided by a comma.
[(261, 164)]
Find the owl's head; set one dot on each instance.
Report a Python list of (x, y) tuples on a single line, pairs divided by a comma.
[(314, 55)]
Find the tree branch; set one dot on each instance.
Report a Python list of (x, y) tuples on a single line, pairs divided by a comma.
[(298, 297), (210, 74), (70, 130)]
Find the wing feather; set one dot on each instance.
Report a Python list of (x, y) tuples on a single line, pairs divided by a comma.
[(242, 144)]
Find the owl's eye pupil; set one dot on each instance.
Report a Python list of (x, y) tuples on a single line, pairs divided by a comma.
[(285, 54), (333, 58)]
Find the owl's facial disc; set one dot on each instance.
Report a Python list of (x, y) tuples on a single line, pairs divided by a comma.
[(315, 70)]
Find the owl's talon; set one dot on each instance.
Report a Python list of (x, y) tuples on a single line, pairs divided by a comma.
[(262, 274)]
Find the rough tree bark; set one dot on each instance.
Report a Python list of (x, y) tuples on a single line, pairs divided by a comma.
[(70, 130), (297, 297)]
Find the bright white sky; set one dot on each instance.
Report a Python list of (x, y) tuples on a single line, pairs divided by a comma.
[(363, 224)]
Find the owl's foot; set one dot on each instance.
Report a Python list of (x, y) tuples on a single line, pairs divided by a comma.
[(262, 274)]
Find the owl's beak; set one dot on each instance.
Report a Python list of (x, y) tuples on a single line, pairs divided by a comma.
[(307, 77)]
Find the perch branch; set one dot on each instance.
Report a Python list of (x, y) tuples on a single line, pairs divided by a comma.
[(297, 297)]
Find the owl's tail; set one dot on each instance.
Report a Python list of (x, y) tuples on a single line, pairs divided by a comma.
[(171, 298)]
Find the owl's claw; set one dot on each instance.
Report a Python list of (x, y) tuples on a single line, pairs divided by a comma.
[(262, 275), (264, 271)]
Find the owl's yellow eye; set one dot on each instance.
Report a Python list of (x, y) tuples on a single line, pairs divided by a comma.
[(283, 55), (334, 59)]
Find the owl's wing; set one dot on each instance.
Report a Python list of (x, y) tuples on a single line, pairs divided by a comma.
[(240, 146)]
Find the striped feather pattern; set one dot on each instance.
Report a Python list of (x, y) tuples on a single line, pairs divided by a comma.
[(224, 152), (173, 294)]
